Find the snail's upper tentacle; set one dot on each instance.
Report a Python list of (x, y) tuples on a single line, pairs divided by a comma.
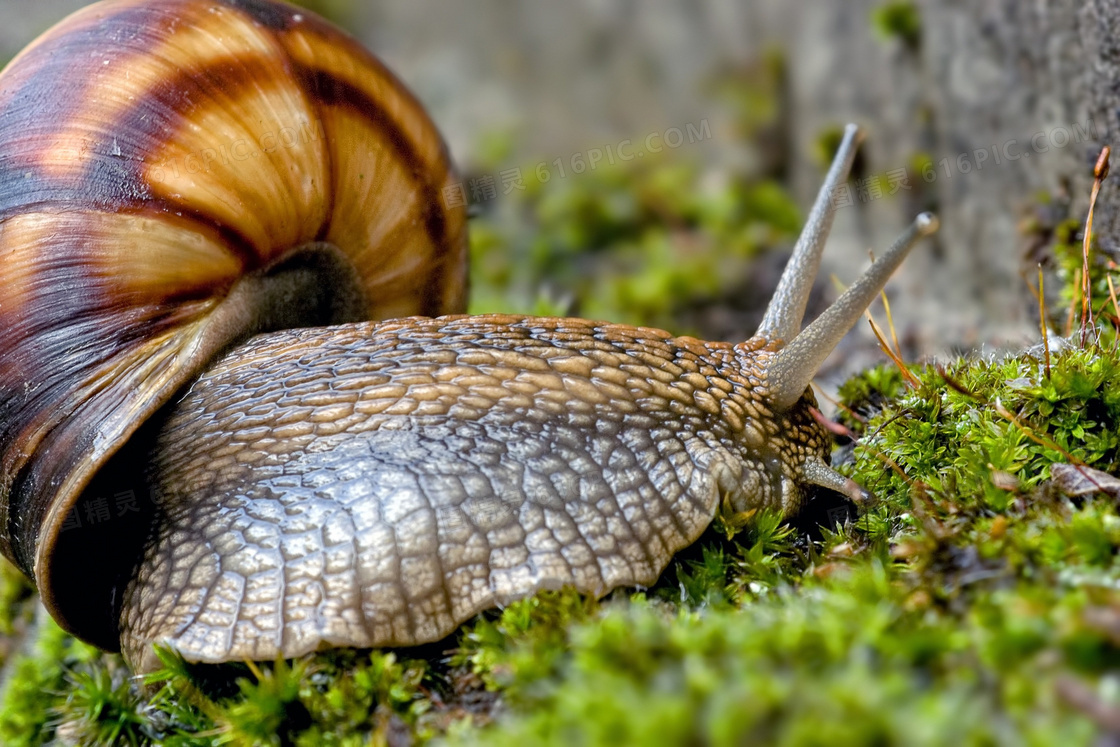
[(786, 309), (796, 365)]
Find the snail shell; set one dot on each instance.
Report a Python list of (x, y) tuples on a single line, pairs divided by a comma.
[(176, 176), (363, 484)]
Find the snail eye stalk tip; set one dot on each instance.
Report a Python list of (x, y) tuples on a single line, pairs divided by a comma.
[(798, 362)]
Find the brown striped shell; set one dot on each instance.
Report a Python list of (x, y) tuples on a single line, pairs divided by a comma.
[(172, 172)]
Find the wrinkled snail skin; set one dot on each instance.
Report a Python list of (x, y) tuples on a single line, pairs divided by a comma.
[(179, 175), (378, 484), (175, 176)]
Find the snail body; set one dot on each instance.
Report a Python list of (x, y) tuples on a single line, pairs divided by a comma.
[(365, 483), (419, 471)]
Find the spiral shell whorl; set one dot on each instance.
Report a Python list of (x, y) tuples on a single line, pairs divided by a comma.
[(153, 157)]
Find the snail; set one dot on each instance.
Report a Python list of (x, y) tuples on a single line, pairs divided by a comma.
[(252, 492)]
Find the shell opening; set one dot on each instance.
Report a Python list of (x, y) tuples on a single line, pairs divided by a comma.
[(104, 510)]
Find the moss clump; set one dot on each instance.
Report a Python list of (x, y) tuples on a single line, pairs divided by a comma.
[(985, 432), (845, 661), (36, 684), (647, 242), (71, 694), (898, 20)]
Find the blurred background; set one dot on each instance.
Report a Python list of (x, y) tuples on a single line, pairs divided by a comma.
[(990, 113)]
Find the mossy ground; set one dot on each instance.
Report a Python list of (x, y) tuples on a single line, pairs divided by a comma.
[(971, 603)]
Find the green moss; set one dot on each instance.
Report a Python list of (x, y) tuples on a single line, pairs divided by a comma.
[(100, 707), (36, 685), (866, 394), (898, 20), (959, 435), (638, 243), (846, 664), (755, 92), (525, 643), (15, 594)]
